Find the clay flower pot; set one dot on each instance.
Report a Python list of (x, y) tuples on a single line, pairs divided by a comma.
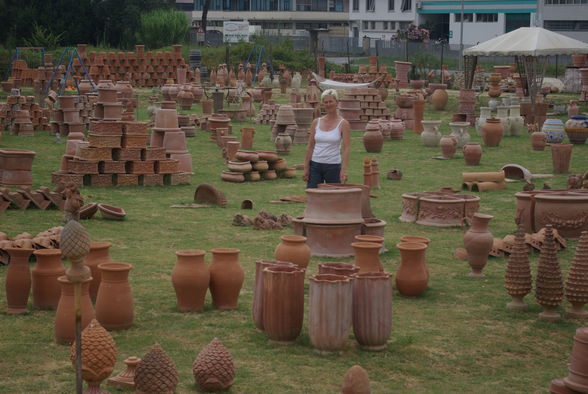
[(336, 268), (561, 156), (46, 290), (333, 206), (578, 377), (448, 146), (110, 212), (439, 99), (478, 242), (114, 303), (472, 153), (492, 132), (98, 254), (18, 280), (412, 276), (538, 140), (367, 256), (190, 277), (257, 305), (226, 278), (373, 140), (294, 249), (65, 313)]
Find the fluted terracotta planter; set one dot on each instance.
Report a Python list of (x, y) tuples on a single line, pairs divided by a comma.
[(561, 156), (372, 309), (114, 302), (566, 211), (367, 256), (294, 249), (257, 304), (46, 290), (330, 307), (226, 278), (65, 315), (99, 253), (412, 276), (336, 268), (478, 242), (18, 280), (190, 277)]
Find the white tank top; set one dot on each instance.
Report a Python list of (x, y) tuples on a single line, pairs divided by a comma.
[(327, 145)]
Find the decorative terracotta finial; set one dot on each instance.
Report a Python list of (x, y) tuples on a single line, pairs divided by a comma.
[(127, 377), (73, 203), (75, 244), (213, 368), (156, 373), (356, 381), (577, 283), (549, 285), (518, 272)]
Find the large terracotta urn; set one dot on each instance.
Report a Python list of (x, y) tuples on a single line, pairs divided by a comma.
[(492, 132), (412, 276), (114, 302), (18, 280), (373, 140), (257, 304), (561, 156), (46, 289), (226, 278), (294, 249), (448, 144), (65, 315), (566, 211), (190, 277), (367, 256), (283, 303), (472, 153), (330, 307), (478, 242), (439, 98), (99, 253), (372, 309)]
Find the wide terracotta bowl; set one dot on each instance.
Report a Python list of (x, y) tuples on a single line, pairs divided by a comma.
[(88, 210), (110, 212)]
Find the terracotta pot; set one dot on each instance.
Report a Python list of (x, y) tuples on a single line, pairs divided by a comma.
[(414, 239), (226, 278), (331, 240), (232, 176), (206, 106), (333, 206), (257, 304), (561, 156), (99, 253), (294, 249), (283, 143), (478, 242), (578, 367), (65, 313), (366, 209), (283, 303), (190, 277), (372, 309), (439, 99), (367, 256), (330, 308), (46, 290), (18, 280), (373, 140), (492, 132), (448, 146), (412, 276), (239, 166), (114, 302), (566, 211), (335, 268), (538, 140), (472, 153)]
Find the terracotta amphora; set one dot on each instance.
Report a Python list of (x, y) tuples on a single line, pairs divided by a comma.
[(538, 140), (114, 303), (18, 280), (561, 156), (283, 303), (294, 249), (46, 290), (372, 309), (330, 306), (190, 278), (492, 132), (99, 253), (367, 256), (373, 140), (478, 242), (226, 278), (65, 315), (412, 276), (472, 153), (257, 305)]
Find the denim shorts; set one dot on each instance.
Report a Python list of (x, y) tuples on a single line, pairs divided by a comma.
[(321, 173)]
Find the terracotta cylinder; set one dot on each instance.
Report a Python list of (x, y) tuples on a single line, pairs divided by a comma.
[(412, 276), (419, 112), (372, 309), (330, 306), (538, 140), (99, 253), (336, 268), (492, 132), (257, 305), (294, 249), (367, 256), (472, 153), (18, 280), (283, 303), (247, 134), (190, 277), (561, 156), (65, 315), (206, 107), (114, 303), (478, 241), (578, 367), (226, 278), (46, 289)]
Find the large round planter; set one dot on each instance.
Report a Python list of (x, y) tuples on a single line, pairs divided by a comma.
[(114, 302), (18, 280), (98, 254), (226, 278), (333, 206), (46, 290), (257, 304), (492, 132), (367, 256), (439, 99), (293, 249), (478, 242), (566, 211), (190, 277), (331, 240), (412, 276), (65, 315), (440, 211), (366, 209)]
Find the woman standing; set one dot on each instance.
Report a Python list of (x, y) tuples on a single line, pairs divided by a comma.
[(324, 161)]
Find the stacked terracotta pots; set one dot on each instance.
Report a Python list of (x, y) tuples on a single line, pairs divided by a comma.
[(494, 88), (267, 113), (16, 167), (73, 114), (406, 109), (402, 69), (166, 133), (350, 109), (254, 166), (467, 105), (37, 118), (304, 118), (371, 103), (285, 122), (425, 207)]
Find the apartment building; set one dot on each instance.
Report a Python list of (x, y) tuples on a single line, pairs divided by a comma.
[(567, 17)]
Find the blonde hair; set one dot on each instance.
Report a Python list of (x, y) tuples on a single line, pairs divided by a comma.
[(330, 92)]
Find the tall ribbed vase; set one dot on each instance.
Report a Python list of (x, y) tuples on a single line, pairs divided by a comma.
[(257, 305), (18, 280), (46, 290)]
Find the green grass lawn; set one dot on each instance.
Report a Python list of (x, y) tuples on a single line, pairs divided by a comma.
[(457, 337)]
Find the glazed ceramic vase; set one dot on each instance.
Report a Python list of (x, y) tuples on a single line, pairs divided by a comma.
[(554, 130), (372, 309), (412, 276), (448, 144), (516, 121), (226, 278), (492, 132), (538, 140), (99, 253), (561, 156), (472, 153), (294, 249), (367, 256), (460, 131), (46, 290), (373, 140), (190, 277), (257, 304), (65, 315), (431, 135), (114, 302), (18, 280), (478, 242), (283, 303), (330, 307), (485, 113)]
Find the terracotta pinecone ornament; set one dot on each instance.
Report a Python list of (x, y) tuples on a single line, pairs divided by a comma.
[(356, 381), (549, 284), (517, 279), (75, 244), (213, 368), (98, 356), (576, 289), (156, 373)]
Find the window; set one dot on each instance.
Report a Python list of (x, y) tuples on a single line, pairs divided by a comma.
[(403, 25), (370, 5), (486, 17), (355, 5), (336, 5), (566, 25), (365, 25), (373, 23), (406, 5), (390, 5), (385, 25), (466, 17), (565, 2)]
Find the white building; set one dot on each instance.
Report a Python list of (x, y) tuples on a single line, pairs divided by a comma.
[(380, 18)]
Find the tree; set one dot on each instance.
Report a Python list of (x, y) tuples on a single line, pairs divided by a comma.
[(205, 8)]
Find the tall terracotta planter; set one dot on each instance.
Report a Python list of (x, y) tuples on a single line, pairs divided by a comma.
[(372, 309), (99, 253), (190, 277), (561, 156), (247, 134), (478, 241), (412, 276), (367, 256), (114, 303), (226, 278), (257, 304), (283, 303), (65, 315), (46, 290), (294, 249), (492, 132), (329, 311), (18, 280)]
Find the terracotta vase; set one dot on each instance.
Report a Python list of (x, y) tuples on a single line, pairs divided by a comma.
[(573, 108), (114, 303), (283, 143), (439, 99), (226, 278), (18, 280), (478, 242), (561, 156), (538, 140), (448, 146), (190, 277), (492, 132), (412, 276), (373, 140), (367, 256), (330, 307), (46, 290), (431, 135), (257, 304), (65, 315), (283, 303), (99, 253), (472, 153), (294, 249), (372, 309)]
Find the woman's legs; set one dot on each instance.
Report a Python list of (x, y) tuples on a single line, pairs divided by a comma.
[(321, 172)]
